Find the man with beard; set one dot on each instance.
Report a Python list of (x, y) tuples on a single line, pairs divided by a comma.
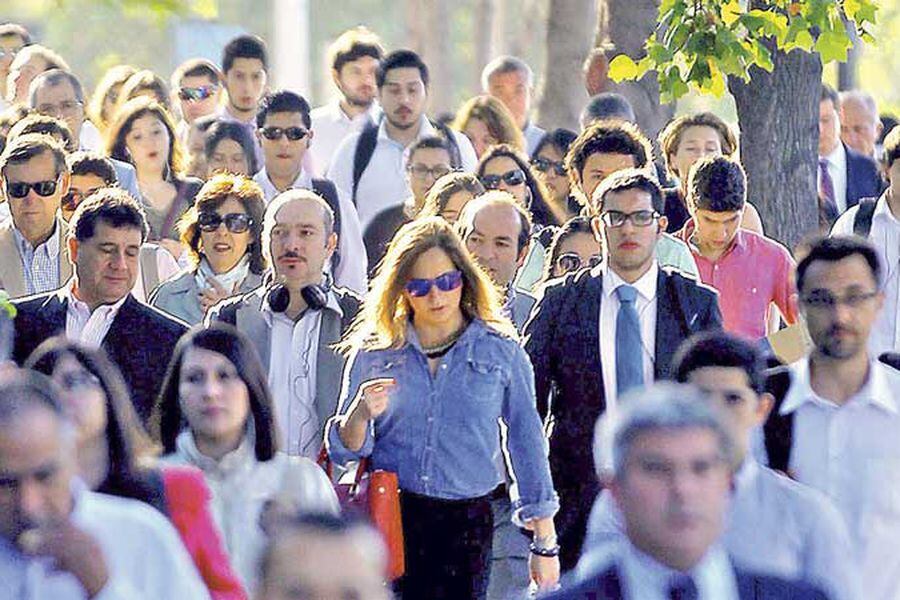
[(296, 318), (354, 59), (835, 428), (370, 166), (245, 66)]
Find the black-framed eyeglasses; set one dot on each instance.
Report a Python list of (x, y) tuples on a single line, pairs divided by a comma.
[(234, 222), (822, 300), (20, 189), (292, 133), (640, 218), (544, 165), (197, 94), (511, 178), (571, 261), (445, 282), (422, 171), (73, 198)]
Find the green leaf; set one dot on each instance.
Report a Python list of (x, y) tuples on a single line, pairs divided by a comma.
[(622, 68), (804, 41), (731, 11), (833, 45)]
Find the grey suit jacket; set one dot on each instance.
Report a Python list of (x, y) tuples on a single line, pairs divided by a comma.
[(12, 274), (521, 309), (178, 296), (245, 313)]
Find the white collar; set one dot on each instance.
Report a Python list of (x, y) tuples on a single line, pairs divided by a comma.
[(241, 457), (883, 210), (425, 129), (645, 285), (338, 112), (302, 181), (76, 305), (746, 473), (52, 243), (876, 391), (837, 157), (643, 567)]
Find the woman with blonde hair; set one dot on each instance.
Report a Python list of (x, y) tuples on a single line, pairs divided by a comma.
[(101, 109), (487, 122), (449, 195), (433, 365)]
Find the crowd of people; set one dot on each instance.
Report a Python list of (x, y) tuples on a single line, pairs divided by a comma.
[(217, 300)]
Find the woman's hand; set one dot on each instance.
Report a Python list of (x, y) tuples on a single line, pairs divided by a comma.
[(372, 399), (210, 296), (544, 571)]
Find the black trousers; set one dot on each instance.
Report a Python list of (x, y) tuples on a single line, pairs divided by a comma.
[(448, 548)]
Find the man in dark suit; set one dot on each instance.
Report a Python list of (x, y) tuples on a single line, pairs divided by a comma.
[(596, 333), (845, 176), (671, 453), (97, 308)]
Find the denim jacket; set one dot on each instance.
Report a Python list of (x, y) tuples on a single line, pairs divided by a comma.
[(441, 434)]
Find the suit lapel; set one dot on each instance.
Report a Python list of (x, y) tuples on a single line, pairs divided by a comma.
[(588, 323), (12, 278), (250, 320), (670, 324), (328, 366)]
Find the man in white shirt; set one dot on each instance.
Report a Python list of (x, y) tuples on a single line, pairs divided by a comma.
[(378, 179), (58, 539), (804, 535), (878, 220), (836, 426), (511, 80), (245, 68), (295, 320), (672, 455), (284, 133), (354, 58)]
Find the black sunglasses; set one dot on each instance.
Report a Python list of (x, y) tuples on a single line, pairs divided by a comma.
[(292, 133), (234, 222), (544, 165), (511, 178), (196, 94), (571, 261), (19, 189)]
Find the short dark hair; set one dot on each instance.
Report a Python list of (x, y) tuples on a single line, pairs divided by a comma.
[(607, 105), (559, 138), (352, 45), (37, 123), (91, 163), (244, 46), (540, 197), (24, 147), (829, 93), (53, 78), (891, 147), (630, 179), (229, 130), (114, 207), (836, 248), (283, 101), (607, 137), (196, 67), (717, 184), (433, 142), (400, 59), (571, 227), (168, 420), (720, 349)]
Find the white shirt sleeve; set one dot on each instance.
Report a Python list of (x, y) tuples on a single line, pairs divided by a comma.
[(352, 271), (466, 152), (844, 223)]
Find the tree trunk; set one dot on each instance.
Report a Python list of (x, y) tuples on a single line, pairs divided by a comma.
[(437, 56), (778, 116), (485, 11), (570, 29)]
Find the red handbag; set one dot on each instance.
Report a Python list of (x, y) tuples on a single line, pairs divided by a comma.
[(375, 495)]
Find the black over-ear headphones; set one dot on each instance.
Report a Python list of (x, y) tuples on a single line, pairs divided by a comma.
[(279, 297)]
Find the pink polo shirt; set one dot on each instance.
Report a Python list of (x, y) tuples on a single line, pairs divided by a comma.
[(753, 273)]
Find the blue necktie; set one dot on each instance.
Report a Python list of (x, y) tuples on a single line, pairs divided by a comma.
[(629, 353), (683, 588)]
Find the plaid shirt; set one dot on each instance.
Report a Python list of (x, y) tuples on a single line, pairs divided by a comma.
[(40, 265)]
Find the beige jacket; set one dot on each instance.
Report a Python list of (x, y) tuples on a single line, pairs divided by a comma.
[(12, 275)]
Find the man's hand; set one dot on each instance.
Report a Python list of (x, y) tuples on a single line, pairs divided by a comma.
[(73, 550)]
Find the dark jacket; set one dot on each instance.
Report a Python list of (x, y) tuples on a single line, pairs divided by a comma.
[(563, 340), (863, 178), (140, 340), (607, 586)]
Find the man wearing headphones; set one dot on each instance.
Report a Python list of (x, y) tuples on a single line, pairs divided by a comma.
[(296, 316)]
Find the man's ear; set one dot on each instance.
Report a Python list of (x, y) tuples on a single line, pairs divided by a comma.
[(331, 243), (661, 224), (764, 407), (72, 245), (520, 260)]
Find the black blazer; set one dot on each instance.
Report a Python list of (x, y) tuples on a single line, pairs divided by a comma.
[(562, 338), (607, 586), (863, 178), (140, 340)]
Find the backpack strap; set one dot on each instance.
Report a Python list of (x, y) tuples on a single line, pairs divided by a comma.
[(327, 190), (778, 430), (365, 148), (862, 220), (455, 156)]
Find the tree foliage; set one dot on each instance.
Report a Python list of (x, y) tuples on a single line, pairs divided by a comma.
[(699, 43)]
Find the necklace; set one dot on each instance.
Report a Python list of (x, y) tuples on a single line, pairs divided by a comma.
[(441, 349)]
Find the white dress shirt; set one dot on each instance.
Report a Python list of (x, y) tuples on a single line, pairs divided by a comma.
[(145, 557), (837, 168), (331, 126), (645, 305), (86, 327), (802, 532), (293, 357), (383, 184), (885, 236), (852, 454), (351, 271), (90, 138), (643, 578)]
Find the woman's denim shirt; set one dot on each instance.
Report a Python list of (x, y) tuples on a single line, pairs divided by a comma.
[(441, 434)]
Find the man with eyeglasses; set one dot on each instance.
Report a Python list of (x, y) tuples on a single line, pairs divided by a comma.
[(34, 178), (296, 318), (834, 426), (197, 91), (283, 130), (13, 37), (597, 333), (751, 272), (58, 93)]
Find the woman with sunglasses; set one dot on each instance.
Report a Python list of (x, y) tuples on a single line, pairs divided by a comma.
[(449, 195), (143, 134), (221, 233), (573, 247), (433, 365), (115, 456), (548, 161), (215, 412)]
